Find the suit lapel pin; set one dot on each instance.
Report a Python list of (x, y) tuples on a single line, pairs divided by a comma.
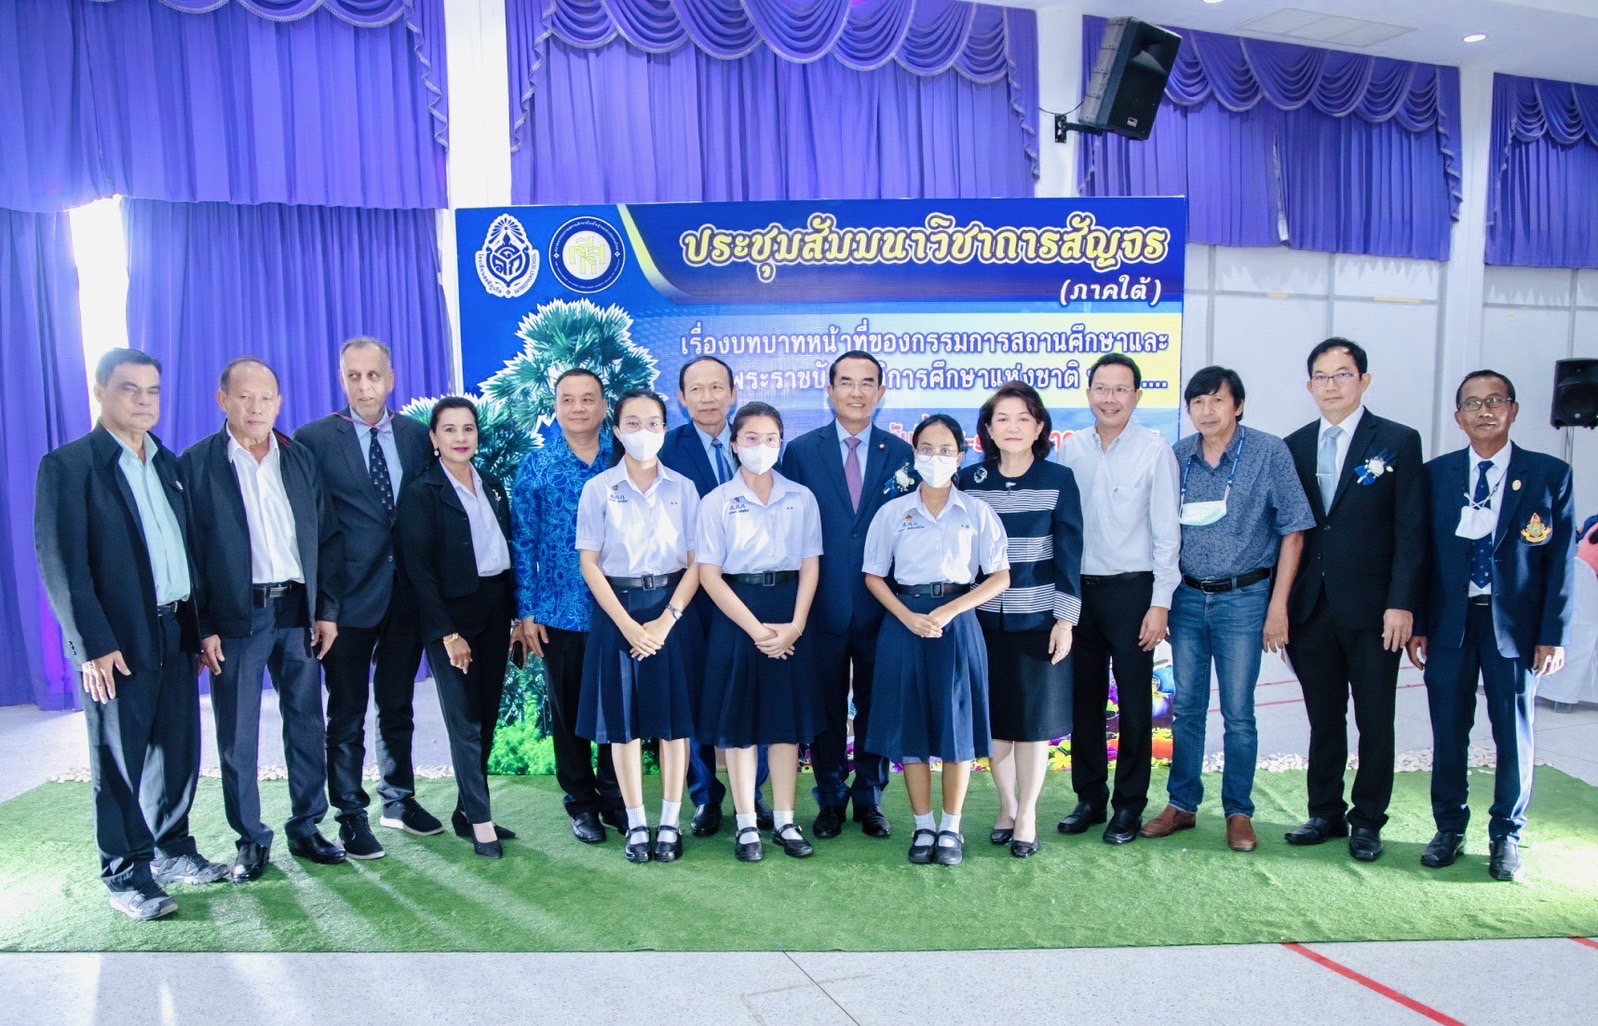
[(1515, 487)]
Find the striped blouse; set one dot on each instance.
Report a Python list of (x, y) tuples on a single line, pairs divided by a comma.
[(1042, 513)]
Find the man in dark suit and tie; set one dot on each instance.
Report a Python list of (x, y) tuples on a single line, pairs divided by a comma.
[(111, 527), (701, 451), (267, 547), (365, 455), (1353, 602), (1497, 607), (849, 465)]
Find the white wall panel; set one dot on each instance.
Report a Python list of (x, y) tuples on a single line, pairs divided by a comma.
[(1524, 345), (1527, 286), (1378, 277), (1401, 341), (1265, 341), (1587, 288), (1271, 270)]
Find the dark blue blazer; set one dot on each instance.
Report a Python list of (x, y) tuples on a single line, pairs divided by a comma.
[(815, 460), (92, 555), (683, 453), (221, 536), (1533, 580), (367, 584)]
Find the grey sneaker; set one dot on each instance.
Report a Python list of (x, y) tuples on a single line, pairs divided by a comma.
[(143, 904), (187, 869)]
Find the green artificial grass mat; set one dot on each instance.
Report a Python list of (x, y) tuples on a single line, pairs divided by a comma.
[(551, 893)]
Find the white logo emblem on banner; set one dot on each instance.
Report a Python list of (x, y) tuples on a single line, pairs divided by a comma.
[(507, 265)]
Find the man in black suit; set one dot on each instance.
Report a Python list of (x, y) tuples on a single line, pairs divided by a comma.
[(1352, 607), (1497, 609), (365, 454), (111, 527), (267, 548), (850, 465), (701, 451)]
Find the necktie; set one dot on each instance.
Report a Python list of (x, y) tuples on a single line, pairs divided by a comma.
[(722, 468), (1326, 466), (851, 472), (377, 466), (1481, 550)]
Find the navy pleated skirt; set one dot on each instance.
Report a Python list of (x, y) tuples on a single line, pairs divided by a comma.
[(747, 697), (625, 699), (930, 696)]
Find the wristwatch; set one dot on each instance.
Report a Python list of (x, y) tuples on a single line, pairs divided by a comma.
[(676, 614)]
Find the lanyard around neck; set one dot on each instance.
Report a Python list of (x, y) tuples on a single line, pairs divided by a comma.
[(1237, 458)]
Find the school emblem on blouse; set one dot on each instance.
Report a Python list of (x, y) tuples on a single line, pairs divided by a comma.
[(507, 265), (1536, 532), (1375, 467)]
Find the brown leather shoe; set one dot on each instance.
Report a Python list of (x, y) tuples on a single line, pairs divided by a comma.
[(1168, 823), (1240, 833)]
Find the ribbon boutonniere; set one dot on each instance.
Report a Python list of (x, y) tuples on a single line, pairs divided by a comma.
[(1375, 467), (902, 481)]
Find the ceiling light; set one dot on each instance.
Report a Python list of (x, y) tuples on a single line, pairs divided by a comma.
[(1475, 37)]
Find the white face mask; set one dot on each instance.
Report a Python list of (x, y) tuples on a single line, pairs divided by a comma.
[(1201, 514), (937, 471), (758, 459), (643, 446), (1476, 523)]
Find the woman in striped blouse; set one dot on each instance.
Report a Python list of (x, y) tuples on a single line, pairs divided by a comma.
[(1027, 628)]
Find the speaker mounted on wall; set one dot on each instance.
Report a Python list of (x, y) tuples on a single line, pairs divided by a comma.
[(1575, 393), (1129, 78)]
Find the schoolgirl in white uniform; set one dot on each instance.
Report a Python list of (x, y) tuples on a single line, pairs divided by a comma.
[(923, 554)]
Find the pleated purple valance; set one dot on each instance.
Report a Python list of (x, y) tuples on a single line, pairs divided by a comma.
[(1540, 207), (360, 13)]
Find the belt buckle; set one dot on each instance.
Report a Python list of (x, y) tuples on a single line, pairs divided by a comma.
[(936, 589), (648, 582), (768, 578)]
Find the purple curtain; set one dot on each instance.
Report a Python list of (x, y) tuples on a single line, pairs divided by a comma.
[(1280, 144), (45, 404), (650, 100), (211, 281), (1540, 206), (339, 103)]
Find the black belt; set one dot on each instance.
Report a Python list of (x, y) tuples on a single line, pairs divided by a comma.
[(265, 593), (1480, 600), (648, 582), (1217, 585), (936, 590), (166, 609), (768, 579), (1113, 578)]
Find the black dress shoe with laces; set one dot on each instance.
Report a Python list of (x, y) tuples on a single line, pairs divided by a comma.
[(828, 824), (587, 828), (1505, 862), (746, 846), (873, 821), (1123, 828), (1445, 847), (706, 821), (1364, 844), (1318, 830), (1081, 817), (792, 841), (250, 863), (921, 844), (318, 849), (638, 844), (950, 852), (668, 849)]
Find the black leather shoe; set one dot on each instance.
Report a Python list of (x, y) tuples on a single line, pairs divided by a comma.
[(358, 841), (142, 904), (921, 844), (1023, 849), (668, 850), (949, 854), (1002, 835), (1364, 844), (587, 828), (792, 841), (318, 849), (638, 844), (1446, 846), (1505, 863), (873, 821), (1123, 828), (488, 849), (763, 817), (1318, 830), (616, 819), (828, 824), (706, 821), (748, 850), (1081, 817), (250, 863), (463, 828)]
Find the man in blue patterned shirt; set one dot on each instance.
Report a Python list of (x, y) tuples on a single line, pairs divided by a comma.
[(551, 598)]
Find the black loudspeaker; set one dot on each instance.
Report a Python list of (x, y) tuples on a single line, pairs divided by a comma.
[(1129, 77), (1575, 394)]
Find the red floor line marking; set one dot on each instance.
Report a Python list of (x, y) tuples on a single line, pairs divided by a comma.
[(1381, 988), (1585, 942)]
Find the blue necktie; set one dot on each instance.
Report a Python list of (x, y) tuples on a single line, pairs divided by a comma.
[(1326, 467), (722, 468), (377, 466), (1481, 550)]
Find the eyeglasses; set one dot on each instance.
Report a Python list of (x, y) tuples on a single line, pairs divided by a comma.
[(632, 424), (1492, 402), (1341, 377), (1110, 391), (944, 451), (751, 440)]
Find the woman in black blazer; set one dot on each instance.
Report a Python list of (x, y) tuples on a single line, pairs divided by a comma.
[(454, 527)]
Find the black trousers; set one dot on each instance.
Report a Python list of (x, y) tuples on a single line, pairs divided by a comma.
[(470, 701), (1334, 663), (144, 761), (586, 789), (281, 645), (1107, 634), (845, 662), (395, 646)]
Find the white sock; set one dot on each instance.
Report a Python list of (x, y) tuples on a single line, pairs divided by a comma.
[(746, 822), (780, 820), (927, 822), (670, 812), (636, 818), (951, 823)]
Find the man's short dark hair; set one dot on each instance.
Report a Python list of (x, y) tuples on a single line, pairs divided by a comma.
[(1117, 360), (1208, 381), (576, 372), (1459, 393), (1354, 349), (117, 357), (366, 342), (682, 375), (853, 354), (239, 361)]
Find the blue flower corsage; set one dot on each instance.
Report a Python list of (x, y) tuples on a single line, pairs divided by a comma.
[(1375, 467)]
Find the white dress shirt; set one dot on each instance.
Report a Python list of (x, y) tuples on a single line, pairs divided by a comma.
[(919, 548), (488, 538), (743, 536), (638, 532), (1495, 492), (274, 549), (1131, 494)]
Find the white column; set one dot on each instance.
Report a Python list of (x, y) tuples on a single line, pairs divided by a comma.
[(1059, 89), (1460, 322)]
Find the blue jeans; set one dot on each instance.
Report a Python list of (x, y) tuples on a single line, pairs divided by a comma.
[(1227, 630)]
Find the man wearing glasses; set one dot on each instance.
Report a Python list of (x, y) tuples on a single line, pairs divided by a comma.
[(1497, 608), (1358, 585), (1129, 483)]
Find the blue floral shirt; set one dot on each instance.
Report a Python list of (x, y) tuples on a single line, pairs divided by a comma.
[(543, 505)]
